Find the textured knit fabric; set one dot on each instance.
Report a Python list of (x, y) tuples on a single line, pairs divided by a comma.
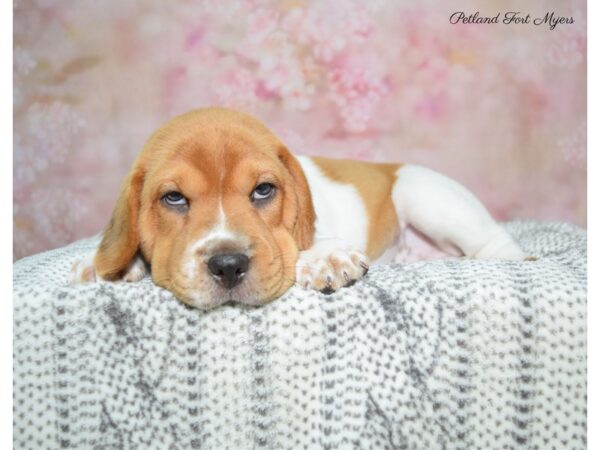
[(443, 354)]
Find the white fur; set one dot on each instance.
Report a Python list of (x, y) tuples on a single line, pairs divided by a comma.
[(450, 215), (80, 266), (341, 232), (218, 234), (340, 211), (136, 270)]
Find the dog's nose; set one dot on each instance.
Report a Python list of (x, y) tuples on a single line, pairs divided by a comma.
[(228, 269)]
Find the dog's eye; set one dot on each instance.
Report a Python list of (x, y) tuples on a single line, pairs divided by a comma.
[(174, 198), (263, 191)]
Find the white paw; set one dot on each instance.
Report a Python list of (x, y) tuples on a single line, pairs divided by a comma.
[(83, 270), (136, 270), (330, 265)]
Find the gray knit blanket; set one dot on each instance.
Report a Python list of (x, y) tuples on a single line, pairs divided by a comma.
[(431, 355)]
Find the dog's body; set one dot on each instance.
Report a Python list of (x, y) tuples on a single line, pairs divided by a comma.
[(220, 210)]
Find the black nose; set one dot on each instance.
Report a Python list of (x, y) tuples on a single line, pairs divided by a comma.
[(228, 269)]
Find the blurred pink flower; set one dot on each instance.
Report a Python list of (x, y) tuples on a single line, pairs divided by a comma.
[(329, 29), (45, 140), (498, 107), (237, 89), (358, 83), (574, 147), (568, 45)]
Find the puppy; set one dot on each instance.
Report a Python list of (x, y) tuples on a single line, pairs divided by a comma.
[(218, 209)]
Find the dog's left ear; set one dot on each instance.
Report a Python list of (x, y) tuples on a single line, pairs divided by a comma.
[(120, 241), (300, 219)]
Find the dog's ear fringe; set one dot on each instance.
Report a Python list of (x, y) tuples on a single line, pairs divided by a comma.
[(302, 221), (120, 240)]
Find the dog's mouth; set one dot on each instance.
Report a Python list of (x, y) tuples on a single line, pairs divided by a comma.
[(233, 276), (216, 295)]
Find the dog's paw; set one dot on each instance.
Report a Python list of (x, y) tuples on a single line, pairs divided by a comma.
[(136, 270), (83, 270), (330, 265)]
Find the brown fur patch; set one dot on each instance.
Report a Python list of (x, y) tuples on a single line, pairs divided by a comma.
[(374, 182)]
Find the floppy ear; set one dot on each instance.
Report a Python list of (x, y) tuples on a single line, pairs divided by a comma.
[(301, 219), (120, 240)]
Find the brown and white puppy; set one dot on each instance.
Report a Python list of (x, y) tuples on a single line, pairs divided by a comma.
[(219, 210)]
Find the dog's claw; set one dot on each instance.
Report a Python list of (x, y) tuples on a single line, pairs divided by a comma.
[(365, 267), (328, 290)]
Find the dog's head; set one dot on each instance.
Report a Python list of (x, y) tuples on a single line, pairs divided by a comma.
[(217, 206)]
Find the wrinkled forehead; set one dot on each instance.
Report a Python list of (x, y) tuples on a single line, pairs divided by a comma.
[(203, 161)]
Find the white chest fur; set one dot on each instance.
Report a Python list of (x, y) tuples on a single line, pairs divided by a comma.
[(341, 213)]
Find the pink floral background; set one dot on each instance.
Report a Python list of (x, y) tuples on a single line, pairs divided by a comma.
[(501, 108)]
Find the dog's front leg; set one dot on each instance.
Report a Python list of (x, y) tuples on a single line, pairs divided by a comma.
[(83, 270)]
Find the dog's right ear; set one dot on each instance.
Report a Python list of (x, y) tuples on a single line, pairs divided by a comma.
[(121, 239)]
